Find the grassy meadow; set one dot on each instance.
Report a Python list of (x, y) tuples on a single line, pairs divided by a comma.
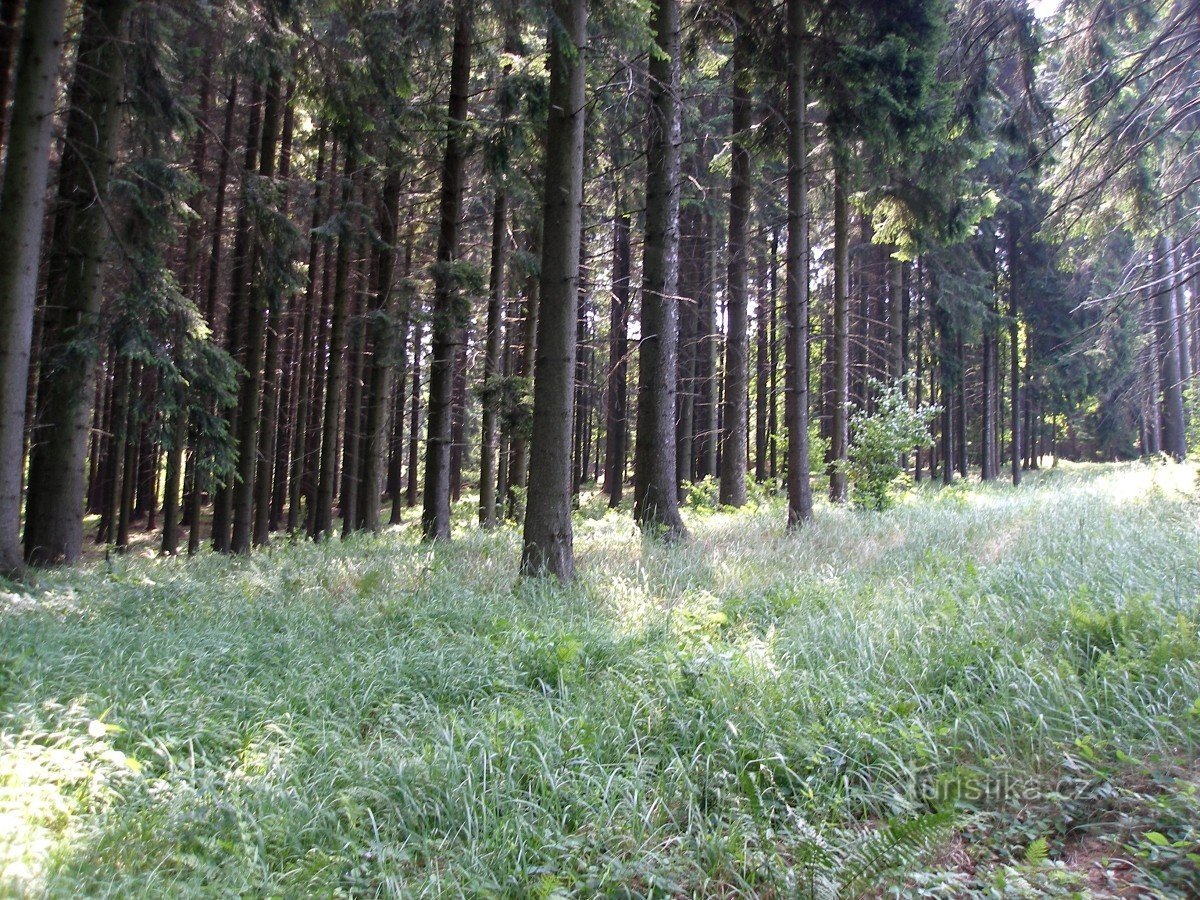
[(982, 692)]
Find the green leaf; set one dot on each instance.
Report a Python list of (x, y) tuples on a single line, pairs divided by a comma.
[(1037, 852)]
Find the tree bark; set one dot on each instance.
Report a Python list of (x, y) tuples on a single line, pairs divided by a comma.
[(799, 486), (383, 357), (492, 365), (656, 499), (54, 514), (840, 420), (616, 431), (321, 525), (733, 425), (1174, 439), (22, 209), (446, 327), (547, 537), (307, 356)]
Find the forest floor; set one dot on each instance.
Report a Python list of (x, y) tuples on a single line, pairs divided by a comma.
[(985, 692)]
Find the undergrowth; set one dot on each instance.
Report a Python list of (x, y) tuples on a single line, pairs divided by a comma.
[(982, 691)]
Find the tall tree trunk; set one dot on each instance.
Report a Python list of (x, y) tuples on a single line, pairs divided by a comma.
[(960, 405), (383, 357), (250, 394), (691, 278), (54, 514), (22, 209), (796, 399), (414, 427), (656, 498), (707, 350), (492, 365), (840, 420), (321, 525), (1014, 350), (308, 358), (275, 311), (547, 535), (351, 471), (616, 432), (762, 338), (396, 463), (734, 426), (236, 315), (446, 327), (1174, 439)]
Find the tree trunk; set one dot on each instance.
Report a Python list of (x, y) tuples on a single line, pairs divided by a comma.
[(54, 514), (492, 365), (707, 348), (307, 357), (22, 210), (762, 335), (383, 358), (272, 384), (1014, 351), (1174, 439), (236, 315), (250, 394), (321, 525), (448, 318), (799, 487), (547, 536), (656, 498), (691, 284), (734, 426), (840, 421), (616, 432), (414, 427)]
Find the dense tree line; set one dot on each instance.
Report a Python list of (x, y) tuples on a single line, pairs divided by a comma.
[(269, 265)]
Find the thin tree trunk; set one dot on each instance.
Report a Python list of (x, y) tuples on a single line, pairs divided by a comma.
[(273, 310), (656, 496), (54, 514), (236, 315), (446, 327), (383, 357), (308, 358), (616, 431), (322, 516), (1174, 434), (414, 427), (840, 443), (250, 395), (734, 429), (547, 535), (796, 396), (492, 365), (22, 210)]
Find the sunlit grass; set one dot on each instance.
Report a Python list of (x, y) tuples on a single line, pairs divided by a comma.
[(381, 717)]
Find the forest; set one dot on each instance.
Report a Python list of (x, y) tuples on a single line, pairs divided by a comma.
[(627, 448)]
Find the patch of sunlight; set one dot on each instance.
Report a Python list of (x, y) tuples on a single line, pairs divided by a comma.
[(46, 776)]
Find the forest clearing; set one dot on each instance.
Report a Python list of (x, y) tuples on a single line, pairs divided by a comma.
[(1014, 674)]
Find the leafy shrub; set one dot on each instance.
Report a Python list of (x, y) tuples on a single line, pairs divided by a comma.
[(879, 438)]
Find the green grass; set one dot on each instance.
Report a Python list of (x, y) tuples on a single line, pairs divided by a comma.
[(749, 714)]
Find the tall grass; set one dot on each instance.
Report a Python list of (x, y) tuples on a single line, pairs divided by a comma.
[(737, 716)]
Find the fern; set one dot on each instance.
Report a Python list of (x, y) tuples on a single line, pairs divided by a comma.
[(1037, 852), (875, 855)]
